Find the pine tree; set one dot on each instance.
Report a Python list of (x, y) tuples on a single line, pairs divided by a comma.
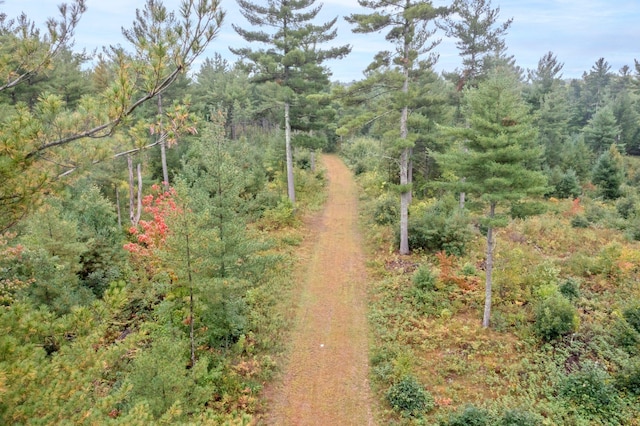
[(501, 159), (608, 173), (407, 23), (292, 59), (477, 34)]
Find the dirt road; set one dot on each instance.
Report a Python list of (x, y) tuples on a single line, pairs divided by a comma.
[(326, 380)]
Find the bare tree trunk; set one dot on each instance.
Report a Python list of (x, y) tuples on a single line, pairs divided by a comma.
[(192, 339), (115, 186), (489, 270), (163, 149), (287, 136), (135, 209), (313, 160), (132, 192), (405, 158)]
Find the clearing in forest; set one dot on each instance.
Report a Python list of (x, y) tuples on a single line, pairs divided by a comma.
[(326, 381)]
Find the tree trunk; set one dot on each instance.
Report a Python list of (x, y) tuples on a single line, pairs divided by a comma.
[(405, 158), (132, 192), (489, 269), (287, 137), (135, 208), (115, 186), (163, 149), (313, 160)]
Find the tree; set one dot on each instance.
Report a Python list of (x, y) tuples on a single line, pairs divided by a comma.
[(35, 141), (608, 173), (293, 58), (474, 25), (602, 130), (500, 160), (407, 23)]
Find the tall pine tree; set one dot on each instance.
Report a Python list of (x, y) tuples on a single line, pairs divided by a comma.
[(407, 23), (501, 157), (291, 58)]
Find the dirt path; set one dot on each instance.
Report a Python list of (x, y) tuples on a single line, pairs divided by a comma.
[(326, 380)]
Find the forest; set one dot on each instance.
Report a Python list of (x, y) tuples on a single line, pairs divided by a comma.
[(153, 203)]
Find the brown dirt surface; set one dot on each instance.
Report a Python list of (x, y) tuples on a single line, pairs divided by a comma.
[(326, 380)]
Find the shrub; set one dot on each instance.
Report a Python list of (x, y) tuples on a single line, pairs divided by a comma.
[(386, 209), (628, 379), (517, 417), (521, 210), (626, 337), (555, 317), (409, 397), (590, 390), (579, 221), (469, 416), (632, 315), (568, 186), (570, 289), (442, 227), (423, 279), (626, 207)]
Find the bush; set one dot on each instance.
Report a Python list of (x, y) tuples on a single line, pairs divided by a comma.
[(409, 397), (628, 379), (570, 289), (519, 418), (386, 209), (579, 221), (626, 207), (469, 416), (423, 279), (590, 390), (442, 227), (626, 337), (632, 315), (522, 210), (555, 317)]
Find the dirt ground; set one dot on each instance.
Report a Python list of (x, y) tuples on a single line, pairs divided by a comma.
[(326, 379)]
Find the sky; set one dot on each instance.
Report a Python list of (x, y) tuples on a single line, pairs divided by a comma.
[(578, 32)]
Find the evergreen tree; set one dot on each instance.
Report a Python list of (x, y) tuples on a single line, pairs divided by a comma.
[(608, 173), (478, 34), (602, 131), (500, 161), (407, 23), (292, 59)]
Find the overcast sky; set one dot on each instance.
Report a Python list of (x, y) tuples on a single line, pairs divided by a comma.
[(578, 32)]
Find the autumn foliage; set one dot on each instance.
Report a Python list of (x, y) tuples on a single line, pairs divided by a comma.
[(151, 234)]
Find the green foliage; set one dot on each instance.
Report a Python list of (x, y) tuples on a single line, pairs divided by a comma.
[(564, 184), (628, 378), (632, 316), (409, 397), (386, 209), (518, 417), (591, 390), (280, 216), (626, 337), (608, 174), (362, 154), (570, 289), (441, 227), (423, 279), (521, 210), (580, 221), (555, 317), (470, 415)]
